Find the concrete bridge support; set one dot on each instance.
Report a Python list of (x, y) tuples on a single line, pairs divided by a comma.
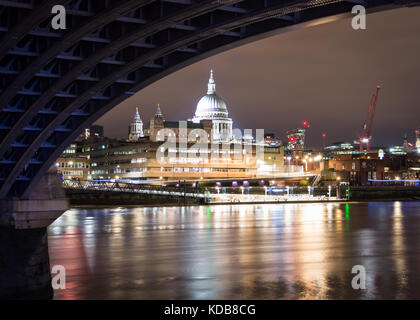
[(24, 258)]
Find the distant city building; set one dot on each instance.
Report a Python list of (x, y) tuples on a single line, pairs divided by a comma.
[(397, 150), (70, 150), (340, 146), (157, 123), (271, 140), (212, 107), (406, 146), (135, 130), (296, 139), (418, 140), (92, 131), (73, 167)]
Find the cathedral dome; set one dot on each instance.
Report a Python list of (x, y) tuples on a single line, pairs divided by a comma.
[(211, 106)]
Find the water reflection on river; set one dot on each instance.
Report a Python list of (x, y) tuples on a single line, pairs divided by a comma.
[(269, 251)]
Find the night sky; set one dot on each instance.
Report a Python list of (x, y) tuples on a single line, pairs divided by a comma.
[(324, 74)]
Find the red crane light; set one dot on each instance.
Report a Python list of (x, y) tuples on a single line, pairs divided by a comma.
[(324, 135)]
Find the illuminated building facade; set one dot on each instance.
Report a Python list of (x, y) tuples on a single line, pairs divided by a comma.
[(73, 167), (364, 168), (115, 159), (296, 143), (296, 139)]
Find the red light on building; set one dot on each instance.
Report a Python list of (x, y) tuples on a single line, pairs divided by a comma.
[(324, 135), (291, 139), (306, 124)]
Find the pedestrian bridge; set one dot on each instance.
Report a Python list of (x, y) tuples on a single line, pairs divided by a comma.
[(54, 83), (122, 186)]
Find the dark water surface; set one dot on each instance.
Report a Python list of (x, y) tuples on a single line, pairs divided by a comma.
[(269, 251)]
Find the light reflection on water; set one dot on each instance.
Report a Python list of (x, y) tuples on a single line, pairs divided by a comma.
[(270, 251)]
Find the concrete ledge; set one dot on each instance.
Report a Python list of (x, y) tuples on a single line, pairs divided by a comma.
[(43, 206), (30, 214)]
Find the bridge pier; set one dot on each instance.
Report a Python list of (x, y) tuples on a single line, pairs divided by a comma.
[(24, 259)]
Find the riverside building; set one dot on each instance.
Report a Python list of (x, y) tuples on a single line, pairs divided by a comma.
[(146, 154)]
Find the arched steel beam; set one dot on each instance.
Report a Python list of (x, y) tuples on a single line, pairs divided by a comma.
[(13, 36), (200, 35), (102, 18), (108, 50)]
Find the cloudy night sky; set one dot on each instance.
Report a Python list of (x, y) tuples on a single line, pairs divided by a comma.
[(325, 74)]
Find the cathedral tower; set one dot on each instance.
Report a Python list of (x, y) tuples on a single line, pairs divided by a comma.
[(136, 128), (212, 107)]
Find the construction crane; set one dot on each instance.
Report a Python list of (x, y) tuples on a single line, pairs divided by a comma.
[(364, 136)]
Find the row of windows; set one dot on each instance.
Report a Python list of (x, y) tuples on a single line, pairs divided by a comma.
[(343, 166), (72, 173), (170, 169), (71, 164)]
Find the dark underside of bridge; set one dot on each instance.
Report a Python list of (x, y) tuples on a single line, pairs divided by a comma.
[(54, 83)]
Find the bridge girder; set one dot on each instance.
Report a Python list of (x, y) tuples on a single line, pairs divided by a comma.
[(56, 83)]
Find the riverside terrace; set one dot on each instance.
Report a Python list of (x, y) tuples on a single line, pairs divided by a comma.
[(111, 193)]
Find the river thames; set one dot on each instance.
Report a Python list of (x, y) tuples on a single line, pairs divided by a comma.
[(264, 251)]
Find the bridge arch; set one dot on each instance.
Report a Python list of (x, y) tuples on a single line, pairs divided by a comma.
[(39, 117)]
